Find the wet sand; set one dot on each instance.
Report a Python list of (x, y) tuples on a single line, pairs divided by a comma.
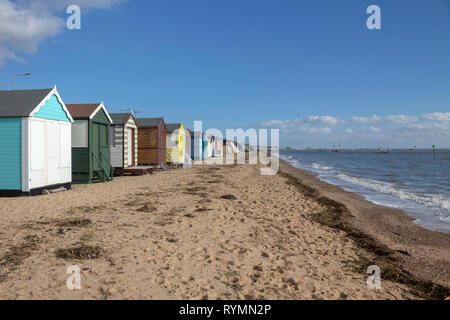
[(208, 232)]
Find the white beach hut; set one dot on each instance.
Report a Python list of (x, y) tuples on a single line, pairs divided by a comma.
[(35, 142)]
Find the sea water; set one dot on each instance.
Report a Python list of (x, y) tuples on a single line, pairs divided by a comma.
[(416, 181)]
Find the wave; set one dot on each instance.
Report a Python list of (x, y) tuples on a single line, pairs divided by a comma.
[(438, 200), (321, 167)]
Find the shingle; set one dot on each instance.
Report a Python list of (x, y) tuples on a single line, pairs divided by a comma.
[(20, 103)]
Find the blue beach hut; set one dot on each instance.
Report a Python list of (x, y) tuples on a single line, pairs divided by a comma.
[(35, 142)]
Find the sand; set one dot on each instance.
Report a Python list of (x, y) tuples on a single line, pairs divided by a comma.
[(208, 232), (426, 252)]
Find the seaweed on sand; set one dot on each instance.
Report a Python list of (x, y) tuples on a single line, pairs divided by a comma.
[(74, 223), (387, 259), (17, 254), (228, 197), (80, 253)]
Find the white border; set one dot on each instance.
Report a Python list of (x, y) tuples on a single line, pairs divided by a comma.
[(25, 155), (101, 106)]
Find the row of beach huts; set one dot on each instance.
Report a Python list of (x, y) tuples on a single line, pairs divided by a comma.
[(47, 145)]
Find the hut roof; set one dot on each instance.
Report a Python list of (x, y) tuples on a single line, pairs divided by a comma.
[(149, 122), (120, 118), (87, 110), (20, 103), (171, 127), (82, 110)]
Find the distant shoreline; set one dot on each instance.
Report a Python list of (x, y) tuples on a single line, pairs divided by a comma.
[(368, 149)]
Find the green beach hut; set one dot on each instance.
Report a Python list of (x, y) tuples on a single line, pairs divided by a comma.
[(91, 154)]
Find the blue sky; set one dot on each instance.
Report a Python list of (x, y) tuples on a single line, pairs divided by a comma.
[(309, 68)]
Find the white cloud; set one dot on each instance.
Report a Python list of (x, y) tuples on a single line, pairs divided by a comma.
[(22, 29), (309, 121), (437, 116), (372, 119), (25, 24), (322, 120), (391, 131), (401, 118)]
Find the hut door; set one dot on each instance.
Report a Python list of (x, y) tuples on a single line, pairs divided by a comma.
[(130, 146), (103, 144), (95, 146), (52, 152)]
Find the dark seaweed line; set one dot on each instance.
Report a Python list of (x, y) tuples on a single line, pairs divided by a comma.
[(384, 257)]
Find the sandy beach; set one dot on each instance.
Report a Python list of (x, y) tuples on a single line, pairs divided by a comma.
[(215, 232)]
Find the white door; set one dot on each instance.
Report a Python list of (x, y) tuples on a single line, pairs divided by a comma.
[(52, 152), (130, 146)]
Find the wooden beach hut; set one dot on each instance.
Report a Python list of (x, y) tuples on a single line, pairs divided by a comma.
[(152, 135), (175, 142), (91, 153), (35, 142), (124, 140)]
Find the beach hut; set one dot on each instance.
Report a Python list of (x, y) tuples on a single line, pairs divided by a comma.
[(175, 142), (197, 146), (204, 147), (218, 148), (124, 140), (35, 142), (91, 153), (188, 135), (152, 136), (210, 144)]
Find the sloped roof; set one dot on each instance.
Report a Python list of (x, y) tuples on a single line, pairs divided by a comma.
[(87, 111), (171, 127), (148, 122), (119, 118), (20, 103), (82, 110)]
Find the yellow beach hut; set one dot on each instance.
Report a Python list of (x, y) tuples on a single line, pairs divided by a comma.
[(176, 143)]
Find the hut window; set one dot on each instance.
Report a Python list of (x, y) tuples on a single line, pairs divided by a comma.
[(80, 134)]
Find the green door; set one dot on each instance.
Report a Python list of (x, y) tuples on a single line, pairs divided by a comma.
[(100, 147), (95, 146), (104, 147)]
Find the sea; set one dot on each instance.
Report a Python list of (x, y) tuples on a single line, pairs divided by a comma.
[(415, 181)]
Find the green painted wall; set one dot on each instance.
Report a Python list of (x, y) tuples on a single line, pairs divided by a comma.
[(82, 160)]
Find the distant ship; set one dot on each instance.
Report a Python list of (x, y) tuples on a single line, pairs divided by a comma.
[(336, 149), (382, 151)]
